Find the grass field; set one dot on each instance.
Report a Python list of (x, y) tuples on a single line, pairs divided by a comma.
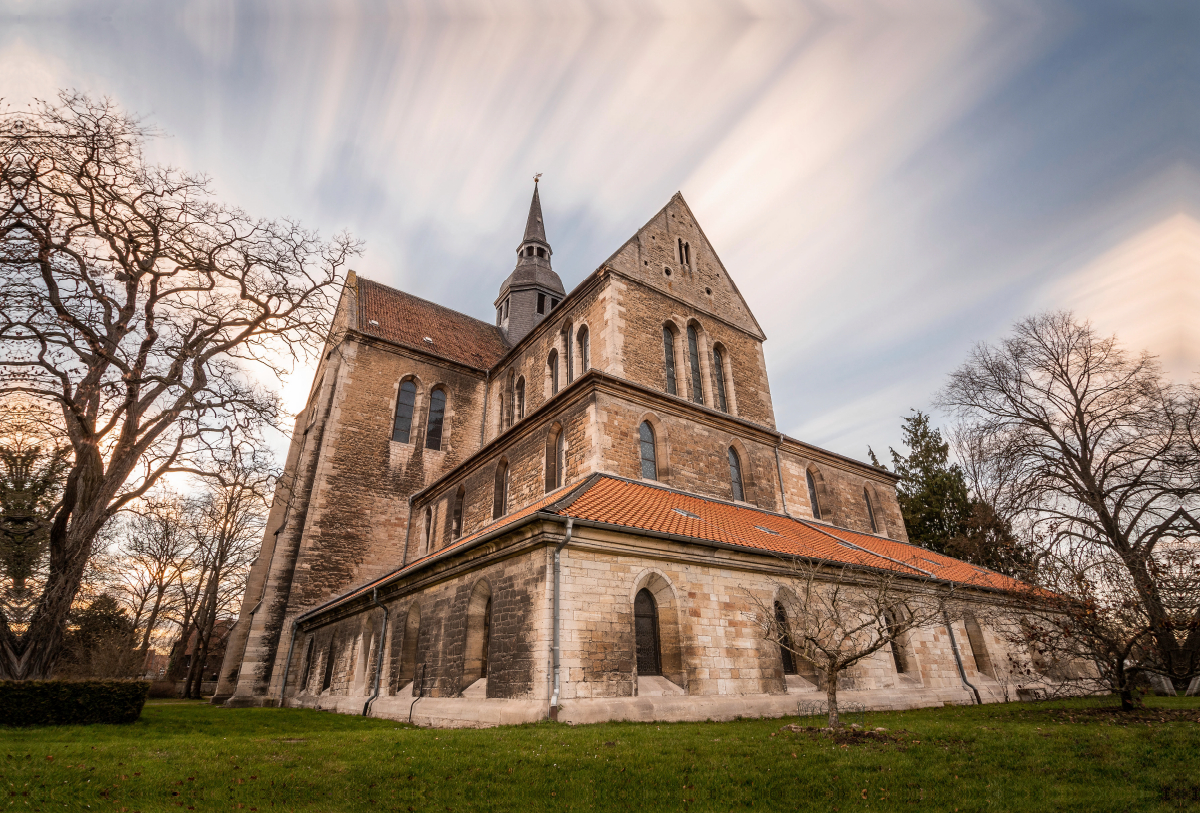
[(1068, 755)]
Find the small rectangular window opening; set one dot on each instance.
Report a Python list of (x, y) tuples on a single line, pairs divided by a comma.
[(553, 303), (541, 308)]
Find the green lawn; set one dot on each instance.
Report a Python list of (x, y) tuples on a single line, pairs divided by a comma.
[(1068, 755)]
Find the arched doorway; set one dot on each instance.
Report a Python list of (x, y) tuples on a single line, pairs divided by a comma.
[(645, 628)]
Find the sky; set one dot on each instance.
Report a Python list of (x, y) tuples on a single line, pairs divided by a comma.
[(888, 183)]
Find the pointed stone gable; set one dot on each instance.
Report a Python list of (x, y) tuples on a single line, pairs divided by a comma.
[(698, 277)]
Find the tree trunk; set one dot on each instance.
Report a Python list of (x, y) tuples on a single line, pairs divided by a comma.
[(835, 722), (144, 649)]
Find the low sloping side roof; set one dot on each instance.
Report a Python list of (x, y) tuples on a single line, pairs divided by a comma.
[(638, 506), (407, 320)]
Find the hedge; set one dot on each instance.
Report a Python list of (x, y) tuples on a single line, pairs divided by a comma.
[(68, 702)]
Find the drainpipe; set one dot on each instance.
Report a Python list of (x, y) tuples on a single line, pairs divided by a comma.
[(287, 664), (958, 659), (379, 660), (557, 648)]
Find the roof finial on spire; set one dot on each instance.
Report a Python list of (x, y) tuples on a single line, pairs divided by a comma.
[(535, 178)]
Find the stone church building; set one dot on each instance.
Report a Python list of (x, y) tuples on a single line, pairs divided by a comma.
[(569, 512)]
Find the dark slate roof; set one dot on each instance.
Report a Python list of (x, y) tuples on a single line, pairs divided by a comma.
[(535, 229), (407, 320)]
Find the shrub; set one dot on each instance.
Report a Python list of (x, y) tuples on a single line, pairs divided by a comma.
[(64, 702)]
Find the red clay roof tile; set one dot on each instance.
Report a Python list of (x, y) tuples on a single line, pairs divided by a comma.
[(404, 319)]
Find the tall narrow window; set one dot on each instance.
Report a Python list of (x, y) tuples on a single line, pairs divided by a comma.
[(681, 258), (437, 415), (983, 662), (519, 398), (327, 678), (555, 458), (894, 630), (308, 659), (500, 501), (870, 510), (649, 458), (669, 359), (785, 640), (487, 632), (719, 376), (812, 495), (456, 527), (541, 303), (735, 475), (645, 633), (552, 371), (569, 357), (585, 355), (510, 413), (428, 529), (402, 426), (694, 355), (687, 254)]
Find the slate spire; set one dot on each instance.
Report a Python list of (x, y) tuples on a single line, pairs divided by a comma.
[(532, 290)]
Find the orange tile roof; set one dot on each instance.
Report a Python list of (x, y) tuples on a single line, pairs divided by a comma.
[(407, 320), (646, 507)]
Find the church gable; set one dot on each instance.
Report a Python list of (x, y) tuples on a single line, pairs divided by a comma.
[(672, 254)]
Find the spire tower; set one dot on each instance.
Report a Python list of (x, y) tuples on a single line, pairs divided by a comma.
[(532, 290)]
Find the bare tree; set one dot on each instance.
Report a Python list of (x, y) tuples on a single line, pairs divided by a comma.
[(232, 515), (156, 552), (137, 307), (840, 615), (1084, 448)]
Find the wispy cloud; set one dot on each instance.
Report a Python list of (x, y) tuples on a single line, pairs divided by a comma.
[(885, 190)]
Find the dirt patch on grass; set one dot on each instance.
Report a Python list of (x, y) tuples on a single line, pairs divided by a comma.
[(1114, 716), (852, 736)]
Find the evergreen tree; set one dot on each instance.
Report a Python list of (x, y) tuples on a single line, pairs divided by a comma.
[(932, 491), (939, 510)]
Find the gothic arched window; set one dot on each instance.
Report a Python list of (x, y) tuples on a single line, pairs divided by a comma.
[(552, 371), (402, 425), (870, 510), (669, 359), (437, 415), (428, 529), (456, 527), (812, 494), (735, 475), (585, 354), (719, 377), (500, 500), (694, 357), (649, 455), (519, 398), (894, 630)]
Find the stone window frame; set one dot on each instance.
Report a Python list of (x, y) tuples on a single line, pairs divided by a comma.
[(477, 644), (500, 495), (457, 513), (554, 465), (306, 673), (872, 517), (446, 412), (815, 485), (749, 483), (582, 341), (670, 633), (519, 398), (552, 373), (725, 373), (904, 659), (805, 668), (427, 527), (703, 354), (327, 666), (662, 447), (404, 666), (418, 409), (671, 377), (980, 656)]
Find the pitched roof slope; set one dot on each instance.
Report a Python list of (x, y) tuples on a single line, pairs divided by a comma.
[(404, 319), (637, 506)]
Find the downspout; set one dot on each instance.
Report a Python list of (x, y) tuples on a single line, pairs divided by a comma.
[(557, 649), (779, 471), (287, 665), (958, 659), (379, 661)]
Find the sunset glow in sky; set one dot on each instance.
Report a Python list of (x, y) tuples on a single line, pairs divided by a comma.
[(886, 188)]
